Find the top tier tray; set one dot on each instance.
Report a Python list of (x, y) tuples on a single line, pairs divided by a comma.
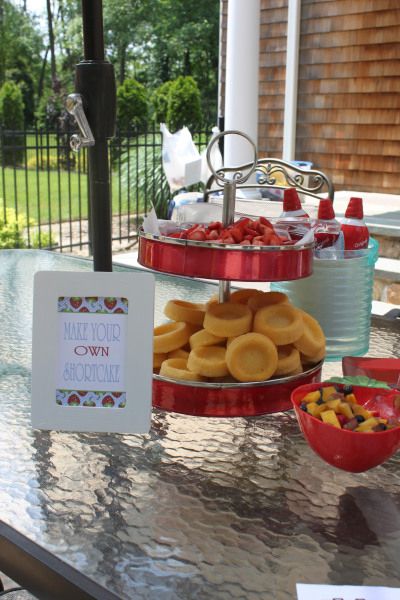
[(223, 261)]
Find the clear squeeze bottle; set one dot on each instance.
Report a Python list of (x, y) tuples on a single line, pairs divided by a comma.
[(355, 231), (292, 209), (293, 217), (326, 228)]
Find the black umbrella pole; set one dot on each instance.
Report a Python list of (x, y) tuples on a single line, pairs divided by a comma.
[(95, 81), (100, 206)]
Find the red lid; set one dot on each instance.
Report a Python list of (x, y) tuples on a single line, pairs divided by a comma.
[(355, 209), (325, 210), (291, 200)]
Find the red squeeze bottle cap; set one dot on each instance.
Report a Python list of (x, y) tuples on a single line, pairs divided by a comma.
[(355, 209), (325, 210), (291, 200)]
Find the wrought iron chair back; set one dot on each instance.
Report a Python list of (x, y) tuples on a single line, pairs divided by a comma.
[(277, 174)]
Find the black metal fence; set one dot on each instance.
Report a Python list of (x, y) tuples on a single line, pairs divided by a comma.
[(43, 187)]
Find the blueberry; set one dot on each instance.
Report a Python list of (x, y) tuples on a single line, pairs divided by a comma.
[(347, 389), (320, 401), (303, 406), (360, 418)]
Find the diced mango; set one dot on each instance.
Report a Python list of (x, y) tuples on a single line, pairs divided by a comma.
[(316, 409), (312, 397), (327, 392), (345, 409), (351, 398), (329, 417), (334, 404), (368, 424), (360, 410)]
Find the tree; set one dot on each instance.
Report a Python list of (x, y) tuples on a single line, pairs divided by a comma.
[(184, 106), (159, 101), (12, 120), (20, 48), (132, 105), (183, 40), (124, 22)]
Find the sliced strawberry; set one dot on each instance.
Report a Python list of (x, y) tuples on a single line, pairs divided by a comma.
[(267, 235), (212, 235), (265, 222), (342, 419), (214, 225), (245, 243), (228, 240), (242, 222), (197, 236), (275, 240), (250, 231), (237, 234), (258, 241)]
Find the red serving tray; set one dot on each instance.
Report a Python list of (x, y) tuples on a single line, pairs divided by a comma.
[(229, 399), (382, 369), (225, 262)]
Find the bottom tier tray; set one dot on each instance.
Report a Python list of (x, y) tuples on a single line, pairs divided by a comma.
[(229, 399)]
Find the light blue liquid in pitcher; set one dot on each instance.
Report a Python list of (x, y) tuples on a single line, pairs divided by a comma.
[(339, 295)]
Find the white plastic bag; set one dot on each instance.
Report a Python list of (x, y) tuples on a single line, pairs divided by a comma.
[(180, 157), (215, 158)]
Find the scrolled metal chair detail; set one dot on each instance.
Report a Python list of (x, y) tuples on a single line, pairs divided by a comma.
[(276, 173)]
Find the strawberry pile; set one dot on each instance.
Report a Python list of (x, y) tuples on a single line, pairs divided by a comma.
[(244, 231)]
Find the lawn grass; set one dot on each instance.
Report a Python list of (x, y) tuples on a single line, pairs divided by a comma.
[(49, 196), (46, 189)]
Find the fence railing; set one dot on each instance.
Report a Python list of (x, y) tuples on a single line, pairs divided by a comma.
[(44, 187)]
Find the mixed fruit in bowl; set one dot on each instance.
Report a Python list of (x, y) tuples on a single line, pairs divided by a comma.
[(353, 428)]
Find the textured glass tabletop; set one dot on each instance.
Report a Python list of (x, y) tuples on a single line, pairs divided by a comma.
[(199, 508)]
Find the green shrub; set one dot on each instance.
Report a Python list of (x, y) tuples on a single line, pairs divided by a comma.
[(135, 169), (184, 107), (159, 102), (132, 105), (12, 118), (11, 229), (43, 239), (43, 162)]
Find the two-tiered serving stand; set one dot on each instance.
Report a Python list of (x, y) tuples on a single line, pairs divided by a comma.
[(226, 263)]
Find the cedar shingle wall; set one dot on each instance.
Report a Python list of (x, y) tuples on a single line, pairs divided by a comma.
[(348, 118), (348, 115)]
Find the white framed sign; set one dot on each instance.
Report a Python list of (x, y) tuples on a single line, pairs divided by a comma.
[(345, 592), (92, 351)]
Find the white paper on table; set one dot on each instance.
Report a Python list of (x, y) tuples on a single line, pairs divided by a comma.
[(150, 223), (307, 591)]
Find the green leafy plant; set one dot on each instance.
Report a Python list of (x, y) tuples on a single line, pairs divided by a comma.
[(159, 102), (43, 239), (11, 229), (151, 187), (12, 121), (132, 105), (44, 161), (184, 107)]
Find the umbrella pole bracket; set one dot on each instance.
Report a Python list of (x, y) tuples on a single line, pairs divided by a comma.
[(74, 106)]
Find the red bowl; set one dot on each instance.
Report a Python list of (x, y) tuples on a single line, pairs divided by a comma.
[(229, 399), (349, 450), (382, 369), (226, 262)]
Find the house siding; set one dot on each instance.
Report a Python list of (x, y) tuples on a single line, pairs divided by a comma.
[(348, 105)]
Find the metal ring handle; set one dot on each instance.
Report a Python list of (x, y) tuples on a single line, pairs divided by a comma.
[(238, 176)]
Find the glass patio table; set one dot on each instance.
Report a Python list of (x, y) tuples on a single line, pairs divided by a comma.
[(199, 508)]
